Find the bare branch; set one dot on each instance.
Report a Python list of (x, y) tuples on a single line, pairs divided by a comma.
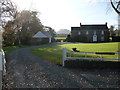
[(116, 8), (8, 11)]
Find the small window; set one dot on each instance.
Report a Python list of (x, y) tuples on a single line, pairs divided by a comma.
[(79, 33), (87, 32), (102, 32)]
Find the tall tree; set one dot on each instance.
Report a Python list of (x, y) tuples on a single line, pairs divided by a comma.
[(50, 31), (9, 34), (8, 12), (112, 32), (116, 6), (30, 24)]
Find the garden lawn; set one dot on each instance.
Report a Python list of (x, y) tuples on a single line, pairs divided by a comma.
[(60, 37), (54, 53)]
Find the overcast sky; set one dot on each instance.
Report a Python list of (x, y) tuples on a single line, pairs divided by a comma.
[(62, 14)]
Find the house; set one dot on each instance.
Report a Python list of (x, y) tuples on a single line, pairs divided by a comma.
[(90, 33), (42, 37)]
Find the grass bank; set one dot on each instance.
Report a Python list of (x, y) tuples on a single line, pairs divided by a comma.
[(9, 49), (54, 53)]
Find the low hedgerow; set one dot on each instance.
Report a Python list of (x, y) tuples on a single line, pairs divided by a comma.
[(92, 64)]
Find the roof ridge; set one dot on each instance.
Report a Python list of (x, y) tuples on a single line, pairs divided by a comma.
[(93, 24)]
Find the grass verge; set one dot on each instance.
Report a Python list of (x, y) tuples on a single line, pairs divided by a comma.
[(9, 49)]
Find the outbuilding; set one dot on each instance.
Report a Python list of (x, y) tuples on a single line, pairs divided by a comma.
[(42, 37)]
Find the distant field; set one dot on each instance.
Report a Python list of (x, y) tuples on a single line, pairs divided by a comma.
[(60, 37), (54, 53)]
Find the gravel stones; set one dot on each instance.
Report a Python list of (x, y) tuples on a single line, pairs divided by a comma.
[(24, 70)]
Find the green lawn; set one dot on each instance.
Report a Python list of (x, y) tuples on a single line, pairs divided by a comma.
[(54, 53), (60, 37)]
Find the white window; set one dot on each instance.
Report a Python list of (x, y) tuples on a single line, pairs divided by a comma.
[(94, 38), (87, 32), (102, 32), (79, 33)]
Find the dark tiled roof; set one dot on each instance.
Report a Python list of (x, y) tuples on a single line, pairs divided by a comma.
[(91, 27), (75, 28), (94, 27)]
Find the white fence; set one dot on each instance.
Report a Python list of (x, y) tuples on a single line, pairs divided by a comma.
[(66, 57), (2, 67)]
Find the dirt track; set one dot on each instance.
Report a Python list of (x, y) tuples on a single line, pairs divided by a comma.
[(25, 70)]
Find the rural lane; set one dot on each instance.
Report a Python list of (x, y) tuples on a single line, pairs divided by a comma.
[(25, 70)]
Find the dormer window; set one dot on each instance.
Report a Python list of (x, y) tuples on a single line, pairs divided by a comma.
[(79, 33), (102, 32), (87, 32)]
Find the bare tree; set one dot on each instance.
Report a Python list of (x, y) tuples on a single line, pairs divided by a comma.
[(116, 5), (8, 11)]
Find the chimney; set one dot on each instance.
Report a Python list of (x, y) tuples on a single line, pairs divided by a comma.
[(80, 24), (106, 23)]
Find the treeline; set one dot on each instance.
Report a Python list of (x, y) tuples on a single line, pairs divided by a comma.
[(20, 26)]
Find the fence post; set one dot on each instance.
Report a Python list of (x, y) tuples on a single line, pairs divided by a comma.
[(64, 56), (118, 56)]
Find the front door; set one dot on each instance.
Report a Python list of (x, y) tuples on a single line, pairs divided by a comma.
[(94, 38)]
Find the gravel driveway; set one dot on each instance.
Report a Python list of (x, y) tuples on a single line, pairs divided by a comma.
[(25, 70)]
